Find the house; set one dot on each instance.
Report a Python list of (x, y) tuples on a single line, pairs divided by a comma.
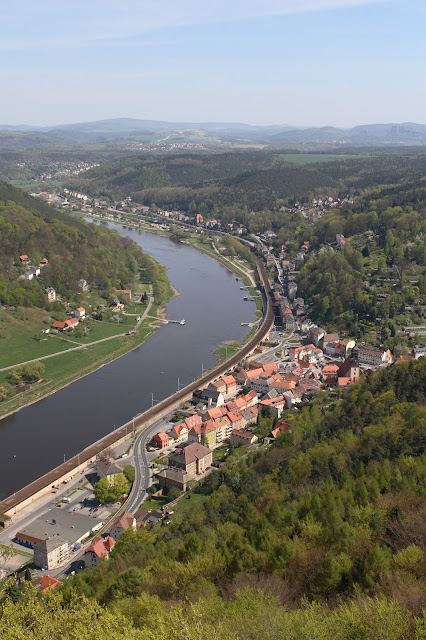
[(24, 259), (64, 326), (209, 397), (251, 398), (279, 429), (219, 385), (44, 261), (161, 440), (209, 433), (194, 434), (277, 405), (71, 323), (47, 583), (35, 271), (329, 373), (270, 368), (58, 325), (224, 427), (173, 477), (127, 293), (179, 433), (292, 290), (192, 421), (80, 313), (329, 338), (28, 275), (50, 553), (199, 218), (249, 415), (51, 294), (242, 376), (214, 413), (122, 523), (193, 459), (107, 467), (374, 357), (419, 351), (99, 548), (261, 384), (316, 333), (236, 419), (340, 240), (239, 437)]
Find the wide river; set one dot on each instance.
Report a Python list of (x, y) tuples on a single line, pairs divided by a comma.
[(36, 439)]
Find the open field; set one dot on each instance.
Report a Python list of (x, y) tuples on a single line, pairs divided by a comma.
[(68, 367)]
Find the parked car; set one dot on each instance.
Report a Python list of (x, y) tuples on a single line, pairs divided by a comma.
[(53, 492)]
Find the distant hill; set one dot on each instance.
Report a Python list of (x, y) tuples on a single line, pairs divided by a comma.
[(24, 136)]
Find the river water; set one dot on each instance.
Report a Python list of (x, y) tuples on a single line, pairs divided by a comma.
[(36, 439)]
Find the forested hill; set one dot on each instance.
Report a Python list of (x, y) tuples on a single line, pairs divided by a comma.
[(73, 248), (255, 180), (320, 536)]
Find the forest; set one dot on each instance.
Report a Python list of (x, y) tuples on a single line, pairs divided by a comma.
[(73, 248), (321, 535), (254, 179), (387, 235)]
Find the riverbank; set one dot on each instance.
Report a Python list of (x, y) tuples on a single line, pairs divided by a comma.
[(65, 367), (68, 366), (203, 242)]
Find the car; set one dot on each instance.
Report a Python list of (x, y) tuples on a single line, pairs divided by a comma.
[(53, 492), (96, 509)]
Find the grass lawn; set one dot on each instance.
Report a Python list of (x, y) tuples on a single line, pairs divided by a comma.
[(69, 366), (17, 331), (188, 503)]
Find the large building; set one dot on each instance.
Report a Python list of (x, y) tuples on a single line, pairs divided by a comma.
[(193, 459), (107, 467), (173, 477), (70, 526), (51, 553)]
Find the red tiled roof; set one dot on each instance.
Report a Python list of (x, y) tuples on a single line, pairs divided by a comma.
[(80, 309), (162, 436), (124, 521), (58, 325), (214, 413), (101, 547), (48, 583), (344, 382), (193, 420)]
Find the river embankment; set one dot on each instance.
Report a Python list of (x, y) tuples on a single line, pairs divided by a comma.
[(37, 438)]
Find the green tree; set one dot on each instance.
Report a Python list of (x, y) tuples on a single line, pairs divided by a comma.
[(111, 488)]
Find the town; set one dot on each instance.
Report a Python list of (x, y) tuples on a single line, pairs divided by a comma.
[(295, 362)]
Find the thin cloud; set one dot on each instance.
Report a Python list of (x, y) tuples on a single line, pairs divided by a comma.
[(111, 22)]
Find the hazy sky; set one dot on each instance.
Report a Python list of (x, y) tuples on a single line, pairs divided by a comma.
[(301, 62)]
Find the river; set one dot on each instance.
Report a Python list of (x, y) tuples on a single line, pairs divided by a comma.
[(35, 439)]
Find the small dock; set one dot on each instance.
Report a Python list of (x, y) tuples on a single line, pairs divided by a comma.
[(182, 322)]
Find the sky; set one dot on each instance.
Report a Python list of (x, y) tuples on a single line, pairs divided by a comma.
[(297, 62)]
